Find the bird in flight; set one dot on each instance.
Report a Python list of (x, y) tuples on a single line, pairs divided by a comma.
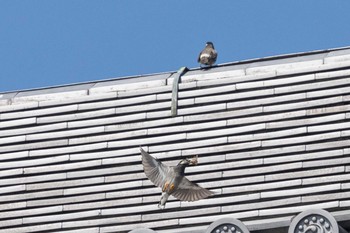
[(208, 55), (172, 179)]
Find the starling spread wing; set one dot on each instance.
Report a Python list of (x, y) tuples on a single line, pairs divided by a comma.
[(154, 169), (189, 191)]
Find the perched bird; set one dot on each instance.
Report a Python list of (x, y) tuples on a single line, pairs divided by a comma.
[(208, 55), (172, 179)]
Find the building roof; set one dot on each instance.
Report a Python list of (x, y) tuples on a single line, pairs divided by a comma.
[(272, 136)]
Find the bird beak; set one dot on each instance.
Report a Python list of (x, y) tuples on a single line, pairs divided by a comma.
[(194, 160)]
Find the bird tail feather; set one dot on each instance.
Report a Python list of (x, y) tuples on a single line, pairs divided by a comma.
[(163, 200)]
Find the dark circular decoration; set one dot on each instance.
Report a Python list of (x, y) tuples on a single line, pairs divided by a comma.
[(314, 221), (227, 225)]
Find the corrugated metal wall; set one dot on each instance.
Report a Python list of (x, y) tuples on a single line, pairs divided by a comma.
[(272, 138)]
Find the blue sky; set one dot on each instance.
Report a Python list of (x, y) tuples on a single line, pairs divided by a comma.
[(47, 43)]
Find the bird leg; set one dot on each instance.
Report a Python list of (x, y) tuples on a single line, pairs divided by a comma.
[(205, 67)]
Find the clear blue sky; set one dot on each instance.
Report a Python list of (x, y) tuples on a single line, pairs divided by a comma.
[(54, 42)]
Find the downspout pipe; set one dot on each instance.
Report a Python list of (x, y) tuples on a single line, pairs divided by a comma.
[(175, 91)]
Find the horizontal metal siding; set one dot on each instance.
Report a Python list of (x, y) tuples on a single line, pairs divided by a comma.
[(272, 141)]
